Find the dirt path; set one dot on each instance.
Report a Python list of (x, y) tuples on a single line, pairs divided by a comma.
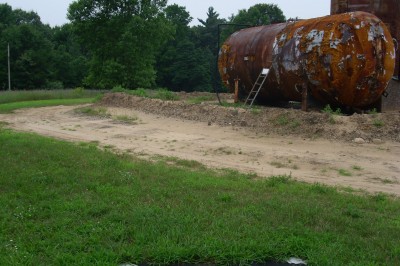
[(373, 167)]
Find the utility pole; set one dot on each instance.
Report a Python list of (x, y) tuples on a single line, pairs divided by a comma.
[(9, 72)]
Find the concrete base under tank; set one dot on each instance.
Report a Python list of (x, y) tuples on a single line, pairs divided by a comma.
[(392, 102)]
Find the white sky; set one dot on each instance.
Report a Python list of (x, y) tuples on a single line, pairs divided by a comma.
[(54, 12)]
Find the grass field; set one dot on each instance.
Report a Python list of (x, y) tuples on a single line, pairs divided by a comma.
[(9, 107), (73, 204), (12, 100), (35, 95)]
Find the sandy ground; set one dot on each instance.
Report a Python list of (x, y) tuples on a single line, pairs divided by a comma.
[(372, 167)]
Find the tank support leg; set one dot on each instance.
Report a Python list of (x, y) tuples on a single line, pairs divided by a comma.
[(236, 99), (304, 93)]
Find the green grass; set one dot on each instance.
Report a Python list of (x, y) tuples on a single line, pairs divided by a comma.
[(332, 113), (127, 119), (34, 95), (9, 107), (200, 99), (159, 93), (93, 111), (328, 110), (165, 95), (378, 123), (102, 112), (344, 172), (231, 104), (286, 120), (73, 204), (282, 120)]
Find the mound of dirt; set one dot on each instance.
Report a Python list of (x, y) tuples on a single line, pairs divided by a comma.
[(267, 120)]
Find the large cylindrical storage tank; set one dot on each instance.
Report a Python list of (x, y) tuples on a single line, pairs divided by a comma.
[(387, 10), (345, 60)]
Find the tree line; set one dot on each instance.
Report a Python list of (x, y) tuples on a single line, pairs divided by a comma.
[(128, 43)]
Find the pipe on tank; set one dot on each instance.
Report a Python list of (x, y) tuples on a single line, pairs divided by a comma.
[(346, 59)]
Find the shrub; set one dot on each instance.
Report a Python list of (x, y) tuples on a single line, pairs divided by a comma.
[(54, 85), (167, 95), (378, 123), (328, 109), (139, 92), (118, 88)]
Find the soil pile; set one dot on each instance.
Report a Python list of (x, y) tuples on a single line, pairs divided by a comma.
[(267, 120)]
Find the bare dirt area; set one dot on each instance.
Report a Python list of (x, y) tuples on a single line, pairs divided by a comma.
[(311, 147)]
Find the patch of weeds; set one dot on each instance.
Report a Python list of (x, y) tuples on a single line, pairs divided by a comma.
[(385, 180), (98, 98), (274, 181), (285, 120), (110, 147), (68, 129), (225, 198), (118, 88), (295, 167), (378, 123), (140, 92), (383, 148), (344, 172), (332, 120), (357, 168), (321, 189), (79, 91), (255, 110), (280, 164), (93, 111), (352, 212), (324, 171), (223, 150), (126, 119), (200, 99), (328, 110), (3, 124), (191, 164), (277, 164), (228, 104), (282, 120), (89, 145), (295, 124), (251, 176), (373, 112), (94, 143), (380, 197), (166, 95)]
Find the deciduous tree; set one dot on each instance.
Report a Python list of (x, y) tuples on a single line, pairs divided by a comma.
[(123, 37)]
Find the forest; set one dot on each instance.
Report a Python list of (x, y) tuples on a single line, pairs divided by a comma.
[(128, 44)]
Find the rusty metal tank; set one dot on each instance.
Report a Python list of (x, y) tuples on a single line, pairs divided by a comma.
[(345, 60), (387, 10)]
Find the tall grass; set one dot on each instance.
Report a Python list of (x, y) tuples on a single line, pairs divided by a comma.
[(34, 95), (10, 107), (72, 204)]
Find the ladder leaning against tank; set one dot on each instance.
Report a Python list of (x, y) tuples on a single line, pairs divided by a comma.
[(255, 90), (256, 87)]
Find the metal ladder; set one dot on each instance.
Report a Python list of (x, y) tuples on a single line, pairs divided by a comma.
[(256, 87)]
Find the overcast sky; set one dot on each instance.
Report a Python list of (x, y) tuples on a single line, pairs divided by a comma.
[(54, 12)]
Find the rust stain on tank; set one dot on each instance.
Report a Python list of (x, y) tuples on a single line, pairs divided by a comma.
[(345, 59)]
